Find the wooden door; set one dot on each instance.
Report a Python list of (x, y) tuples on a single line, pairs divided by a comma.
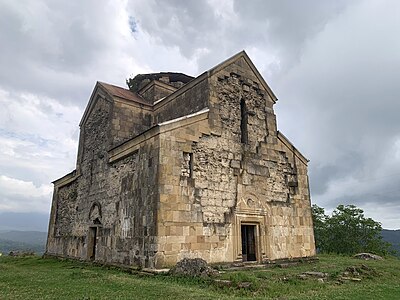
[(249, 242), (92, 239)]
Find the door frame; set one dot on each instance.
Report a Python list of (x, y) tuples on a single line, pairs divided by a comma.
[(245, 257), (92, 238), (260, 239)]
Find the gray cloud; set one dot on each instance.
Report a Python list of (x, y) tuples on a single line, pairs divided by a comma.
[(52, 55), (343, 98), (209, 31), (59, 49), (333, 65)]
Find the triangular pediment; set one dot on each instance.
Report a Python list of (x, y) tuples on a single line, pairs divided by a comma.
[(110, 92), (243, 59), (98, 92)]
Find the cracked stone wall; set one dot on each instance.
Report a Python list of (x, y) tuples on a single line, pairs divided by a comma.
[(67, 196), (215, 181), (262, 182), (90, 185), (184, 188), (121, 196), (271, 179)]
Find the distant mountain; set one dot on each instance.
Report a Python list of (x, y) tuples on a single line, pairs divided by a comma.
[(24, 221), (22, 240), (392, 237)]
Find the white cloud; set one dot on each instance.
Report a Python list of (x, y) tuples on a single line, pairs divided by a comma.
[(38, 135), (11, 186), (341, 96), (23, 196), (334, 66)]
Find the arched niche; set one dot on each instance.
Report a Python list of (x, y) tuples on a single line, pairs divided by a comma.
[(95, 215), (250, 202)]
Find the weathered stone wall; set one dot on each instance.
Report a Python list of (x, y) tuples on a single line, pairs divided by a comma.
[(180, 220), (119, 199), (185, 188), (63, 214), (67, 201), (129, 120), (270, 178), (133, 193), (156, 91), (290, 229), (191, 99), (94, 142), (211, 181)]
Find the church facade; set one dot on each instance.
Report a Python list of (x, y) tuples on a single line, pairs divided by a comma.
[(179, 167)]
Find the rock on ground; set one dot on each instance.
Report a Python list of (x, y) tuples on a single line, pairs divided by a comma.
[(21, 253), (368, 256), (194, 267)]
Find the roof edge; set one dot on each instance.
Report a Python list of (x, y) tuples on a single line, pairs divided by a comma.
[(71, 176), (181, 90), (126, 148), (291, 147), (252, 66), (156, 82), (92, 100)]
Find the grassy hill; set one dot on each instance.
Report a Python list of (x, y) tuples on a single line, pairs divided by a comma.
[(22, 240), (346, 278)]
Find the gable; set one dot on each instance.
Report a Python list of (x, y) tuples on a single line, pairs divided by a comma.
[(110, 93), (156, 90), (98, 93), (242, 61)]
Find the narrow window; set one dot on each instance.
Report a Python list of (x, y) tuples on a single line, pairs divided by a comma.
[(187, 165), (243, 122), (191, 165)]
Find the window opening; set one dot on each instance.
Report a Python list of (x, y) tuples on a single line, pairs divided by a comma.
[(187, 165), (243, 122)]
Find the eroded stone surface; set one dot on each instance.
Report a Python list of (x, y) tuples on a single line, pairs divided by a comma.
[(213, 168)]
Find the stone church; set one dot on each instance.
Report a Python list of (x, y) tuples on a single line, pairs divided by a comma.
[(177, 167)]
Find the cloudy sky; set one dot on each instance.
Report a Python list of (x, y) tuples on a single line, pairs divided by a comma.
[(334, 65)]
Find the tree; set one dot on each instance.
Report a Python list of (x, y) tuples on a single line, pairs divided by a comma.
[(319, 218), (347, 231)]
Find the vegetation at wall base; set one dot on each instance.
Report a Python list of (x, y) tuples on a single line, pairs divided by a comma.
[(346, 278)]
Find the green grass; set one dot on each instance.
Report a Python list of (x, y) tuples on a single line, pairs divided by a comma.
[(37, 278)]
